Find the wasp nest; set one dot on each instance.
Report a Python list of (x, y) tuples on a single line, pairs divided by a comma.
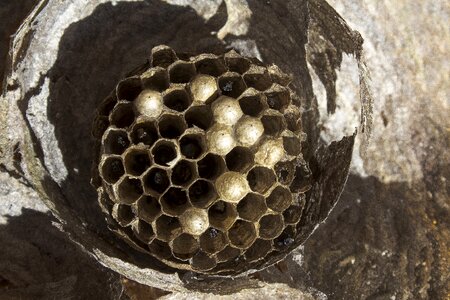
[(200, 161)]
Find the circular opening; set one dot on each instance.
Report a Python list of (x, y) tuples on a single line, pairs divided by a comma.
[(183, 173), (185, 246), (137, 161), (174, 201), (129, 89), (242, 234), (129, 190), (279, 199), (202, 193), (177, 100), (213, 240), (239, 159), (222, 215), (162, 56), (112, 169), (260, 179), (164, 153), (211, 166), (155, 79), (232, 85), (148, 208), (122, 115), (192, 146), (252, 207), (171, 126), (167, 228), (144, 133), (156, 180), (116, 142), (270, 226), (181, 72), (200, 116)]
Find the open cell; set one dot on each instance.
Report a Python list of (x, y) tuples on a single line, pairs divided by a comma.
[(115, 141), (122, 115), (274, 125), (213, 240), (292, 214), (252, 207), (242, 234), (199, 116), (258, 250), (285, 239), (251, 103), (211, 166), (156, 181), (239, 159), (231, 84), (181, 71), (129, 88), (171, 126), (183, 173), (177, 99), (145, 133), (162, 56), (302, 179), (228, 254), (270, 226), (174, 202), (292, 145), (123, 214), (278, 97), (210, 64), (192, 145), (237, 63), (279, 199), (285, 172), (164, 152), (148, 208), (155, 79), (167, 228), (160, 249), (143, 231), (129, 190), (202, 193), (222, 215), (260, 179), (258, 78), (137, 161), (112, 169), (202, 261), (185, 246), (293, 121)]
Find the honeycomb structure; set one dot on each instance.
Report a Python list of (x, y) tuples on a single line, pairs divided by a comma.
[(200, 161)]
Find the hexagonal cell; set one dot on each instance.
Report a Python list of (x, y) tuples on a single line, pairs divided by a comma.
[(175, 201), (252, 103), (123, 214), (202, 193), (211, 166), (258, 77), (192, 145), (260, 179), (184, 246), (129, 88), (210, 64), (293, 121), (204, 89), (106, 106), (155, 79), (143, 231), (302, 179), (115, 141), (171, 126), (183, 173), (194, 221), (228, 254), (222, 215), (242, 234), (249, 130), (252, 207), (181, 71), (285, 239), (292, 214), (144, 132), (200, 116), (258, 250), (164, 152), (160, 249), (236, 63), (177, 99), (278, 97), (270, 226), (232, 84), (202, 261), (111, 169), (274, 125), (213, 240), (285, 172), (292, 145), (167, 228), (162, 56), (148, 208), (156, 181), (129, 190), (280, 198), (239, 159), (123, 115), (137, 161)]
